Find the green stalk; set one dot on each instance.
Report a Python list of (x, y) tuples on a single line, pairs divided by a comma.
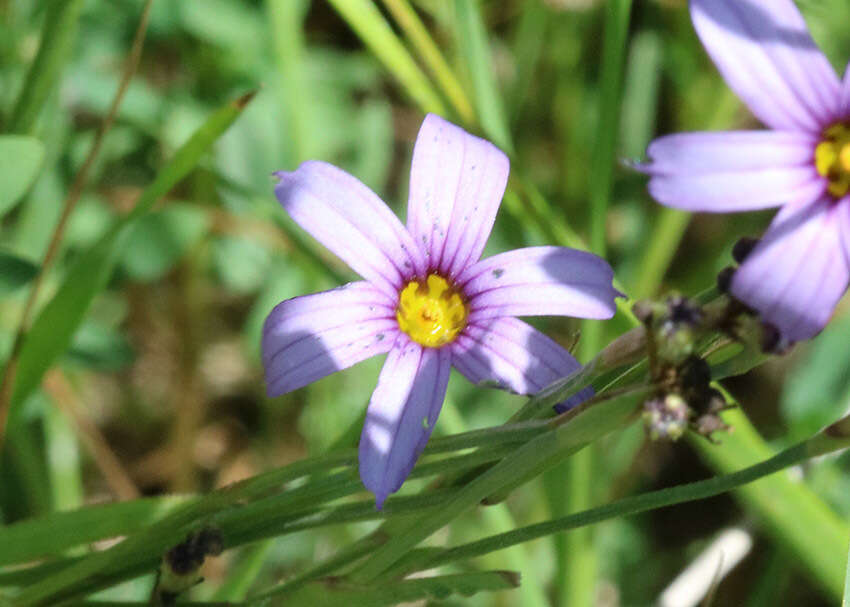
[(368, 23), (832, 439), (576, 553), (475, 47), (429, 52), (57, 43)]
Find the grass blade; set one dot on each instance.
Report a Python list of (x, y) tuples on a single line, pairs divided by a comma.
[(475, 47), (429, 52), (55, 325), (814, 447), (57, 41), (57, 532), (365, 19)]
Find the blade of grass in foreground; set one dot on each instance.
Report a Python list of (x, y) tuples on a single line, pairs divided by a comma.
[(832, 439), (59, 531), (576, 552)]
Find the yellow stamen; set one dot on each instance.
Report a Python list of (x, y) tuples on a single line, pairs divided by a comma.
[(432, 313), (832, 159)]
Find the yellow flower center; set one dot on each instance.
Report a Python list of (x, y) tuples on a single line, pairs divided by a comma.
[(832, 158), (432, 313)]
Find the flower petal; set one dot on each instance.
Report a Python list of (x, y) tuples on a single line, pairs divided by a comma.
[(309, 337), (456, 185), (401, 414), (765, 53), (798, 272), (733, 171), (515, 356), (540, 281), (351, 221)]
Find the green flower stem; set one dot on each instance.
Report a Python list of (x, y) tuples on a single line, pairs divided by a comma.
[(834, 438), (368, 23), (576, 554), (429, 52), (821, 542)]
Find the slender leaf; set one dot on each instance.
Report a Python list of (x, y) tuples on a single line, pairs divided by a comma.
[(365, 19), (22, 159), (57, 532), (825, 442), (57, 41), (472, 39), (55, 325)]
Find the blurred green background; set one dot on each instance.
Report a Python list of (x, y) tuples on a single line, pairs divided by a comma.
[(162, 389)]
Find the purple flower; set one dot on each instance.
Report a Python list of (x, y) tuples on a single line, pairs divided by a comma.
[(426, 299), (799, 270)]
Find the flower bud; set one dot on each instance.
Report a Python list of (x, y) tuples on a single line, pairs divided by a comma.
[(666, 417)]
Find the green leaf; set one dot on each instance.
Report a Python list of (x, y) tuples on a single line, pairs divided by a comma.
[(14, 272), (333, 592), (57, 532), (52, 330), (22, 158)]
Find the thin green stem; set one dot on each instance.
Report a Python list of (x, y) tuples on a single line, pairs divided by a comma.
[(365, 19), (57, 41), (429, 52), (816, 446)]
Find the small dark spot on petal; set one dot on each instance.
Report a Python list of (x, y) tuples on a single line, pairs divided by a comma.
[(380, 337), (497, 273)]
